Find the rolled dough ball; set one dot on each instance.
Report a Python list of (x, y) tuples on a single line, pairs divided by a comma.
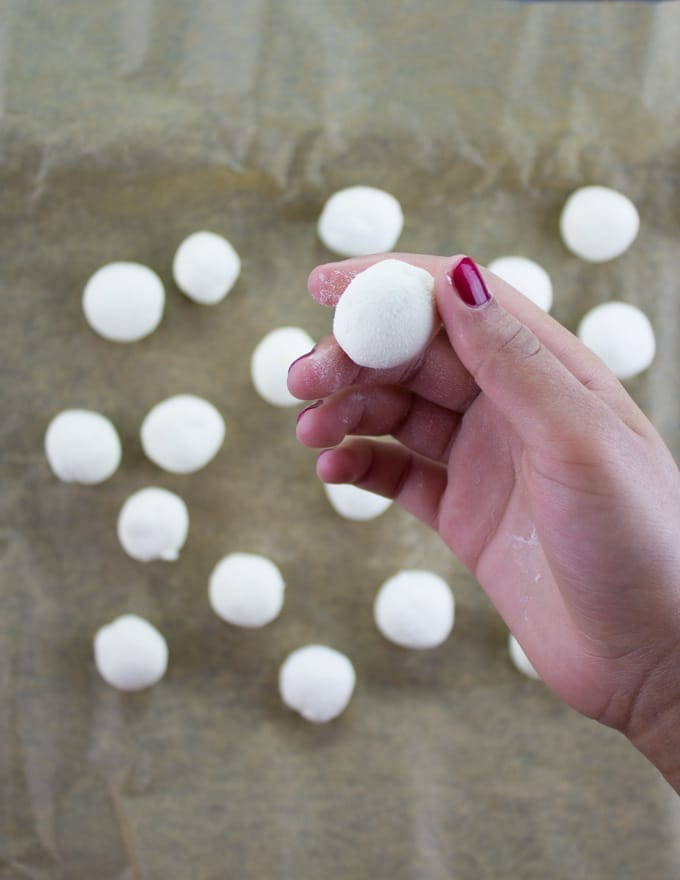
[(317, 682), (620, 335), (415, 609), (153, 524), (182, 433), (386, 316), (360, 220), (355, 503), (598, 224), (526, 276), (206, 267), (82, 446), (130, 654), (246, 589), (270, 360), (124, 302), (520, 659)]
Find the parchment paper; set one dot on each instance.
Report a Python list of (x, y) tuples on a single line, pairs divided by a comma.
[(123, 127)]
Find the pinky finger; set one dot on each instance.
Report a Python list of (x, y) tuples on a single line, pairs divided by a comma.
[(415, 483)]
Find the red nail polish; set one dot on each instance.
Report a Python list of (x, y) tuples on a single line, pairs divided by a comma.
[(469, 284), (302, 356), (307, 409)]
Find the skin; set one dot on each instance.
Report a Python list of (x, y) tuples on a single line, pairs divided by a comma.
[(534, 465)]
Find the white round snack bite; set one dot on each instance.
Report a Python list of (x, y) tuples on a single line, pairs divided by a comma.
[(386, 315), (415, 609), (206, 267), (598, 224), (621, 335), (124, 302), (317, 682), (271, 359), (246, 589), (353, 502), (526, 276), (130, 654), (153, 524), (360, 220), (181, 434), (520, 659), (82, 446)]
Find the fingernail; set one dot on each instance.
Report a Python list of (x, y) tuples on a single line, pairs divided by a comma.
[(302, 357), (469, 284), (308, 409)]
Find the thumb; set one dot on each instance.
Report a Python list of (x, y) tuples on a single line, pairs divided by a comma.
[(540, 397)]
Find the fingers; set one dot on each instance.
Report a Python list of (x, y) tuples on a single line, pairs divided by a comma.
[(414, 483), (421, 426)]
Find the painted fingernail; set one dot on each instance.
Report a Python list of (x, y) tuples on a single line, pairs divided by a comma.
[(302, 357), (468, 283), (308, 409)]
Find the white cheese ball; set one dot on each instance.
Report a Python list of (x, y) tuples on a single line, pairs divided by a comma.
[(415, 609), (360, 220), (182, 433), (205, 267), (317, 682), (526, 276), (598, 224), (353, 502), (520, 659), (620, 335), (82, 446), (246, 589), (153, 524), (386, 315), (271, 359), (130, 654), (124, 302)]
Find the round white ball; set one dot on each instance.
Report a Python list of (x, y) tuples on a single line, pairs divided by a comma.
[(317, 682), (598, 224), (271, 359), (246, 589), (520, 659), (386, 315), (360, 220), (182, 433), (415, 609), (153, 524), (124, 302), (82, 446), (620, 335), (130, 654), (353, 502), (206, 267), (526, 276)]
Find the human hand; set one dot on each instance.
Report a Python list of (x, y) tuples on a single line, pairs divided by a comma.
[(540, 473)]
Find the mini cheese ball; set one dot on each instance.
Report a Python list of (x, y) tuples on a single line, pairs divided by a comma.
[(246, 589), (621, 335), (124, 302), (598, 223), (527, 276), (82, 446), (353, 502), (181, 434), (130, 653), (153, 524), (360, 220), (206, 267), (415, 609), (519, 659), (271, 359), (317, 682)]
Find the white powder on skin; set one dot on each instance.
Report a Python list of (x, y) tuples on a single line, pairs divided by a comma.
[(130, 654), (360, 220), (82, 446), (598, 224), (271, 359), (387, 315), (526, 276), (415, 609), (621, 335), (153, 524), (317, 682), (520, 659), (182, 433), (206, 267), (124, 302), (355, 503), (246, 589)]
